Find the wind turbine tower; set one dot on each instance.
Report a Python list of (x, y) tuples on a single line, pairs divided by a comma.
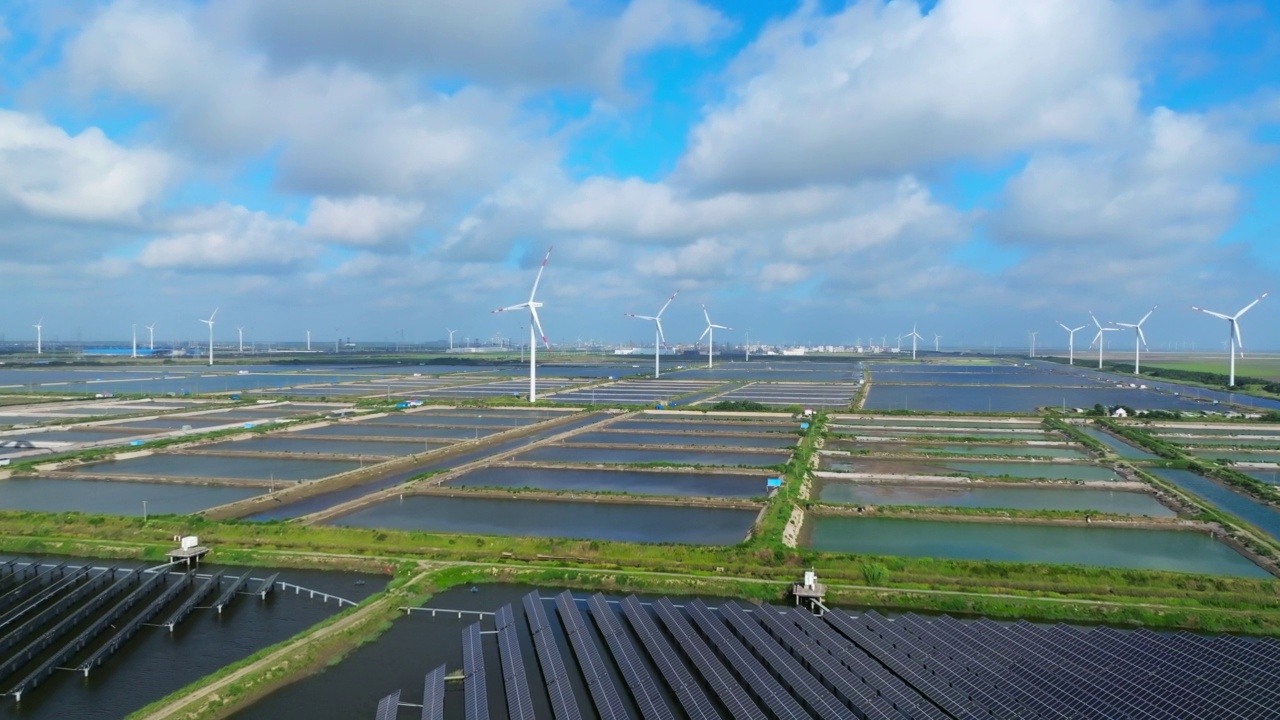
[(1098, 338), (936, 339), (308, 341), (39, 326), (451, 332), (1034, 333), (151, 337), (532, 304), (914, 337), (1233, 326), (1139, 340), (659, 340), (240, 330), (135, 340), (711, 336), (209, 322), (1071, 342)]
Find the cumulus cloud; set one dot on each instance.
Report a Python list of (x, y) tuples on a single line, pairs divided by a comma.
[(228, 238), (49, 174), (884, 89), (362, 221)]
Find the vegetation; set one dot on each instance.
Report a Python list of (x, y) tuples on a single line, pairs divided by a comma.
[(741, 406)]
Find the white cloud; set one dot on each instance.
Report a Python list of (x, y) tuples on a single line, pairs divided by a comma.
[(705, 257), (228, 238), (882, 89), (48, 174), (363, 220)]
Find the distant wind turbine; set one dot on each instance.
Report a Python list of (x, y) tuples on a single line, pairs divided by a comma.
[(1034, 333), (135, 340), (914, 337), (936, 339), (1233, 322), (240, 330), (451, 332), (39, 326), (711, 336), (1139, 337), (209, 322), (1098, 338), (1071, 342), (659, 340), (151, 337), (533, 306)]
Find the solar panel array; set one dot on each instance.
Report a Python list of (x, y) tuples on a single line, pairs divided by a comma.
[(433, 695), (757, 662), (388, 707)]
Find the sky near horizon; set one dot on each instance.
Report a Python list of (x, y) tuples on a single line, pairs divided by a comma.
[(812, 171)]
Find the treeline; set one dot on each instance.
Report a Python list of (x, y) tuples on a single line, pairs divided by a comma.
[(1195, 376)]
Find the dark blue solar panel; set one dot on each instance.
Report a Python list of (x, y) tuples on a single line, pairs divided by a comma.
[(691, 695), (433, 695), (643, 689), (564, 705), (718, 678), (603, 693), (514, 681)]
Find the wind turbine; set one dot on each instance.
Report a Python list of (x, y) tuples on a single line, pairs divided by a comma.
[(135, 340), (936, 338), (1233, 327), (1098, 338), (240, 330), (1034, 333), (533, 306), (1140, 338), (39, 326), (659, 340), (1071, 341), (451, 332), (209, 322), (914, 337), (710, 332), (151, 338)]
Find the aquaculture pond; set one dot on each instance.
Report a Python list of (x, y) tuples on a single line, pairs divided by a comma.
[(289, 443), (977, 449), (604, 437), (620, 481), (1012, 497), (1045, 470), (571, 454), (359, 429), (1262, 516), (196, 466), (116, 497), (1172, 550), (629, 522), (1120, 447)]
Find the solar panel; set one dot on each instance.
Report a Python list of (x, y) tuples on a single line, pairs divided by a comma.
[(643, 688), (812, 693), (603, 693), (433, 695), (691, 695), (388, 706), (564, 705), (474, 688), (767, 690), (718, 678), (514, 681)]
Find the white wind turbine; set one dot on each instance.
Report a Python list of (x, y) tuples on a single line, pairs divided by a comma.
[(1071, 341), (240, 330), (135, 340), (659, 340), (209, 322), (151, 338), (1034, 333), (39, 326), (533, 306), (1139, 338), (1233, 322), (936, 339), (710, 334), (451, 332), (914, 337), (1098, 338)]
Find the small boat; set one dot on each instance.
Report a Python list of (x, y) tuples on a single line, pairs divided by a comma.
[(359, 582), (475, 589)]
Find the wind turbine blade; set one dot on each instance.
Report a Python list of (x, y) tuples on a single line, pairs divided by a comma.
[(510, 307), (1235, 328), (533, 311), (1095, 319), (661, 335), (641, 317), (1250, 305), (705, 315), (704, 333), (1141, 336), (664, 307), (538, 279), (1064, 327), (720, 327), (215, 312), (1096, 338), (1144, 317), (1078, 329), (1218, 315)]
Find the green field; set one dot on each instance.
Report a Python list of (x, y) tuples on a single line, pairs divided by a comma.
[(1266, 367)]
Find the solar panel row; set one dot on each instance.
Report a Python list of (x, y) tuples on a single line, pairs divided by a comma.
[(388, 706), (514, 681), (564, 705), (644, 691), (691, 695), (719, 679), (603, 693), (474, 690), (433, 695)]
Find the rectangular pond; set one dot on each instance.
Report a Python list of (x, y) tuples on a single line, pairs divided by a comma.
[(239, 468), (697, 426), (1009, 399), (1014, 469), (634, 482), (962, 449), (321, 446), (947, 433), (1170, 550), (1122, 448), (571, 454), (1013, 497), (606, 437), (1262, 516), (359, 429), (554, 518), (115, 498)]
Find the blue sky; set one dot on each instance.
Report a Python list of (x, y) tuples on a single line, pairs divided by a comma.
[(811, 171)]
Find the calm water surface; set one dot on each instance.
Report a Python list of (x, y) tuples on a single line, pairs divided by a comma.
[(643, 483), (1121, 447), (605, 437), (1262, 516), (221, 467), (1047, 470), (1017, 498), (115, 497), (333, 446), (557, 453)]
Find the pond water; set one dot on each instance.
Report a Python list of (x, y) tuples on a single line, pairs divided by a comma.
[(775, 440), (568, 453), (1120, 447), (553, 518), (1260, 515), (1172, 550), (982, 398), (1016, 435), (220, 467), (978, 449), (700, 426), (329, 446), (1046, 470), (1238, 456), (1014, 497), (643, 483), (116, 497), (360, 429)]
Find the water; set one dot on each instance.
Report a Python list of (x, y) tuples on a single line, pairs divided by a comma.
[(606, 437), (359, 429), (975, 376), (979, 449), (569, 454), (1014, 498), (1211, 442), (317, 503), (1203, 396), (1262, 516), (553, 518), (1118, 446), (240, 468), (642, 483), (1267, 476), (287, 443), (170, 423), (948, 433), (1248, 457), (1229, 431), (469, 418), (1171, 550), (963, 424), (705, 426), (1009, 399), (1045, 470), (69, 436), (155, 662), (115, 497)]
